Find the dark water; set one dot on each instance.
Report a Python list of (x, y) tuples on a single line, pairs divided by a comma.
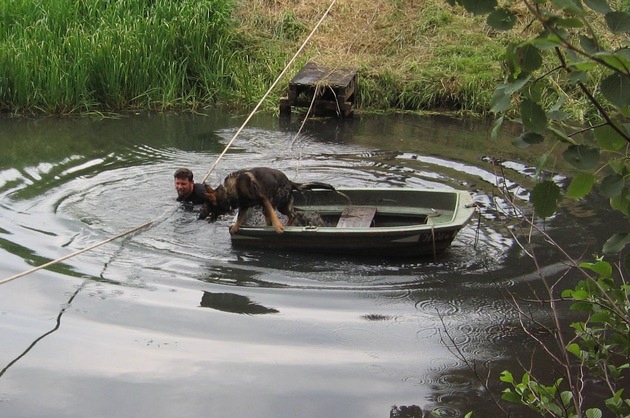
[(171, 321)]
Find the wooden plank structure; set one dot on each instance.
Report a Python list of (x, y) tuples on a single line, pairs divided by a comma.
[(357, 217), (333, 90)]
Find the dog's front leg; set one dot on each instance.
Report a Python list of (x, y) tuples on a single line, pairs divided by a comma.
[(242, 212), (270, 214)]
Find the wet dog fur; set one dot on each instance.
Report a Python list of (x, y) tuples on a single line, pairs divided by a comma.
[(267, 187)]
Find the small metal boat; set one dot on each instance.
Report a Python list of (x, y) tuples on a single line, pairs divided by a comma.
[(366, 221)]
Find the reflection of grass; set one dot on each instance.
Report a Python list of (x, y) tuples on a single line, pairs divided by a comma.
[(48, 147), (35, 260)]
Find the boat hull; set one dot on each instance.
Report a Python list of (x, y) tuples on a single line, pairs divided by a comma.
[(408, 222)]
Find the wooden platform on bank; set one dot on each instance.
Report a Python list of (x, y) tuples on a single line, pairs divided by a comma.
[(329, 90)]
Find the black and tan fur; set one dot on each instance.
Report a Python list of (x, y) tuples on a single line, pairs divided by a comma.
[(267, 187)]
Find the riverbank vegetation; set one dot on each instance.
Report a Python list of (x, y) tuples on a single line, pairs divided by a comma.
[(77, 56), (578, 52), (72, 56)]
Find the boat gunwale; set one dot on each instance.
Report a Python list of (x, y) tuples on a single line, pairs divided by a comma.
[(461, 213)]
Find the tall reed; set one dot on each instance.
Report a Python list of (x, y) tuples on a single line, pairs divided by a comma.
[(80, 55)]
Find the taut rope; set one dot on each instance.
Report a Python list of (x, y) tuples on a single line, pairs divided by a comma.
[(91, 247)]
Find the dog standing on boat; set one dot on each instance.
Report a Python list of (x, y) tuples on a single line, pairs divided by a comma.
[(267, 187)]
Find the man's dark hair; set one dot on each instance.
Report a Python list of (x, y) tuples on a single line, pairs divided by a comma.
[(183, 173)]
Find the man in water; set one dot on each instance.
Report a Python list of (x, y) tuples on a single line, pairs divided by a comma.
[(189, 192)]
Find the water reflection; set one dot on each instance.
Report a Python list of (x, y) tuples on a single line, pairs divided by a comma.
[(41, 337), (314, 334), (231, 302)]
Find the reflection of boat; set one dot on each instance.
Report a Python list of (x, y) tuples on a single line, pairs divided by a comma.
[(231, 302), (374, 221)]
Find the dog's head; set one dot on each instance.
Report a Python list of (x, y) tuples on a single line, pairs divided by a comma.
[(216, 204)]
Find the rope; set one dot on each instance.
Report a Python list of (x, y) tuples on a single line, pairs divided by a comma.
[(277, 80), (310, 109), (91, 247)]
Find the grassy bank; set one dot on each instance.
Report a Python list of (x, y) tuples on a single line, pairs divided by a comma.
[(72, 56), (411, 54), (69, 56)]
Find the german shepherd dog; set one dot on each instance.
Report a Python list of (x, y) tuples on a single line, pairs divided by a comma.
[(267, 187)]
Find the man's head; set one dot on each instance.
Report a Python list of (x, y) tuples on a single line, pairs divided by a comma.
[(184, 183)]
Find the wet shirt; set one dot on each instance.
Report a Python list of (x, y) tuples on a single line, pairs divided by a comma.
[(197, 197)]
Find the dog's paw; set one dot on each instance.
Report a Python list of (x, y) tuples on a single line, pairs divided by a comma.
[(279, 229), (233, 230)]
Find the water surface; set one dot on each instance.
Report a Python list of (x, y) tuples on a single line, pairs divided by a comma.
[(172, 321)]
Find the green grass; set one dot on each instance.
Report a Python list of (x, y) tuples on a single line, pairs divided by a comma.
[(79, 56)]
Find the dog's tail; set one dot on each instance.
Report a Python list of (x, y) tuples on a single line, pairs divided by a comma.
[(314, 185)]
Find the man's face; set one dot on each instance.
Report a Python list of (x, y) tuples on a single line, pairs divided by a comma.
[(184, 187)]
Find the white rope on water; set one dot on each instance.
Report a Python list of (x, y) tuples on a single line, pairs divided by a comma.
[(149, 223), (91, 247)]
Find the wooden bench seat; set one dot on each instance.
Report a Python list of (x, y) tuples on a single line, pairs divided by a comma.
[(356, 217)]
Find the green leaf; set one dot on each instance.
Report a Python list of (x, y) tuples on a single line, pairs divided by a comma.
[(554, 409), (612, 185), (616, 243), (616, 89), (571, 22), (618, 22), (579, 295), (618, 165), (561, 135), (589, 45), (618, 60), (584, 65), (593, 413), (500, 100), (575, 350), (545, 197), (507, 377), (533, 116), (609, 139), (496, 127), (479, 6), (581, 185), (557, 115), (566, 397), (603, 268), (599, 6), (510, 396), (621, 203), (517, 84), (577, 77), (546, 40), (601, 317), (542, 161), (501, 19), (582, 157), (568, 5), (528, 57)]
